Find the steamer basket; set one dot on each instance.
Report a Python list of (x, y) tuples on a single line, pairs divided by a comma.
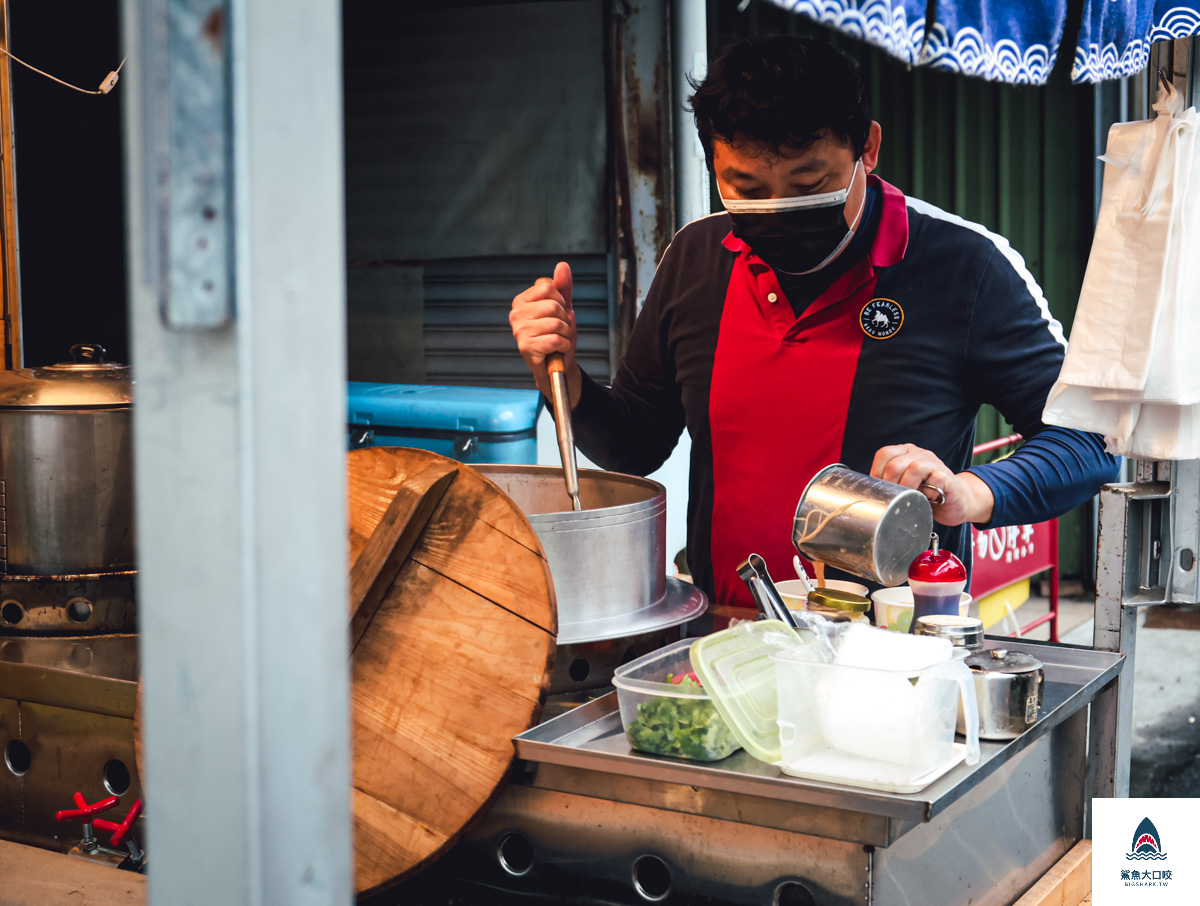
[(608, 562)]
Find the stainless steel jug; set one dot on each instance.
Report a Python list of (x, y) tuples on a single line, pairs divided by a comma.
[(866, 526)]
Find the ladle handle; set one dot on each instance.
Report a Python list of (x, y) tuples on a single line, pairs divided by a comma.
[(561, 399)]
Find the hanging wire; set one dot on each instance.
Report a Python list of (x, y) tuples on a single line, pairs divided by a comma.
[(111, 75)]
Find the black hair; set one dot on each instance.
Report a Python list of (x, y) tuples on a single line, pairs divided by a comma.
[(780, 92)]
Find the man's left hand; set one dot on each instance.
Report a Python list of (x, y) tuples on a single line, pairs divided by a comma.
[(966, 497)]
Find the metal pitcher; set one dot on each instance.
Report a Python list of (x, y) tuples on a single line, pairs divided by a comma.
[(866, 526)]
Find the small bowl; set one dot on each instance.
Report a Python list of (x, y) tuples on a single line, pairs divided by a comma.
[(894, 607), (796, 598)]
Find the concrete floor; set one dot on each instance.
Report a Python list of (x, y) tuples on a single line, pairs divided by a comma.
[(1166, 708)]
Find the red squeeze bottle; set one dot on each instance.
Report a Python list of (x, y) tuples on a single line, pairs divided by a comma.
[(937, 579)]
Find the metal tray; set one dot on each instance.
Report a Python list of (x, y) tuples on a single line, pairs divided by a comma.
[(567, 752)]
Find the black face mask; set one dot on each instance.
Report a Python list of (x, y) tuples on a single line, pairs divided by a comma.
[(795, 235), (794, 241)]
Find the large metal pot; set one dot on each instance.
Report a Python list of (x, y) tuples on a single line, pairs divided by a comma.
[(66, 476), (608, 561)]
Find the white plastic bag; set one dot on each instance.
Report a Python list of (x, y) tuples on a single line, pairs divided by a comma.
[(1130, 371)]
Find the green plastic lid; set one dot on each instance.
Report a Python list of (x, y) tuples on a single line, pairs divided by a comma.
[(737, 672)]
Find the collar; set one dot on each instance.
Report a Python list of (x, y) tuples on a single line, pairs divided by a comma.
[(891, 237)]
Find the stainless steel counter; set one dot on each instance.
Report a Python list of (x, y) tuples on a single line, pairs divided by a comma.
[(589, 814)]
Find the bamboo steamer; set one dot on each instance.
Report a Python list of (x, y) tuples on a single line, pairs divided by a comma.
[(451, 661)]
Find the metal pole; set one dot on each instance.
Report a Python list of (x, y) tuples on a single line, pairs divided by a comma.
[(233, 129), (689, 55), (11, 334)]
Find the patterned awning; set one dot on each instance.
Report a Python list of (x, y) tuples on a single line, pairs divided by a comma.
[(1015, 41)]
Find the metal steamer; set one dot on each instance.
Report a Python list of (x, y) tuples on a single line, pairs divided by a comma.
[(67, 551), (615, 601), (68, 655)]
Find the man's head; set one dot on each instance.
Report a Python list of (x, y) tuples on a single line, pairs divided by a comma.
[(787, 133), (779, 94)]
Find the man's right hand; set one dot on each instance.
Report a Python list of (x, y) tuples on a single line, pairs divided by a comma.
[(543, 323)]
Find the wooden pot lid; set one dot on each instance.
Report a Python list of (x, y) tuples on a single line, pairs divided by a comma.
[(455, 660)]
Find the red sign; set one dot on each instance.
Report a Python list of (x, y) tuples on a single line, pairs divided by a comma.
[(1006, 555)]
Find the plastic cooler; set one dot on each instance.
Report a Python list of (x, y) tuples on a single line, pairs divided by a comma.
[(470, 424)]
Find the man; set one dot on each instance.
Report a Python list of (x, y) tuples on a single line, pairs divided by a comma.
[(822, 318)]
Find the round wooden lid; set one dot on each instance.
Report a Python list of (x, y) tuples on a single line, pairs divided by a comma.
[(455, 661)]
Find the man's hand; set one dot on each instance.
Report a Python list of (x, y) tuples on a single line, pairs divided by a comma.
[(967, 498), (543, 322)]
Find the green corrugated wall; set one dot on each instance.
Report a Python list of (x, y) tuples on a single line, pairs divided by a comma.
[(1018, 160)]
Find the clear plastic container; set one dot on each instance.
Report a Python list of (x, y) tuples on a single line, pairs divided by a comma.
[(667, 719), (883, 729)]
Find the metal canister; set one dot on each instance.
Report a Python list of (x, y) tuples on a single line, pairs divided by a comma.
[(863, 525), (961, 632)]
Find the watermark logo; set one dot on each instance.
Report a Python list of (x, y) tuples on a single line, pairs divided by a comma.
[(1147, 844)]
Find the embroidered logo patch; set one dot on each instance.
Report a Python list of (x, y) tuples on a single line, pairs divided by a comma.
[(881, 319)]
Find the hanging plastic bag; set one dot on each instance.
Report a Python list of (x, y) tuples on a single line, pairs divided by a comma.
[(1130, 369)]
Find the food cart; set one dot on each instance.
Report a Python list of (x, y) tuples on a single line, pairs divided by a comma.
[(246, 705)]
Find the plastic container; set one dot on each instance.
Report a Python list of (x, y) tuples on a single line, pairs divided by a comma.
[(894, 607), (736, 668), (881, 729), (470, 424), (662, 718)]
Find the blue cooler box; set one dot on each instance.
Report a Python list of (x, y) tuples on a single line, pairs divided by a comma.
[(470, 424)]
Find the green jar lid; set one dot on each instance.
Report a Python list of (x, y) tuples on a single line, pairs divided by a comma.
[(836, 599)]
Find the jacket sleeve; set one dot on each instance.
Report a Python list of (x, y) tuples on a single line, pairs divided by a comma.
[(1015, 352), (634, 425)]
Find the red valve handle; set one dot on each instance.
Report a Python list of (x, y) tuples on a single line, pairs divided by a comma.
[(85, 811), (120, 831)]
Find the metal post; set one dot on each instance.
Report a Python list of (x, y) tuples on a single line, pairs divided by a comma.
[(239, 442), (689, 55), (1111, 726)]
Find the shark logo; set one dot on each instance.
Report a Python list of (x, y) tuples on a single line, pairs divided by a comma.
[(1146, 842)]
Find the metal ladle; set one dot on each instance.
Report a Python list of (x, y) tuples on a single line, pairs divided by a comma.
[(561, 400)]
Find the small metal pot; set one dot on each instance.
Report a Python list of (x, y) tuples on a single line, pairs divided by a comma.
[(863, 525), (1008, 687), (66, 467)]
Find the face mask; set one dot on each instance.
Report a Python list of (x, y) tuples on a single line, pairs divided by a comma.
[(795, 235)]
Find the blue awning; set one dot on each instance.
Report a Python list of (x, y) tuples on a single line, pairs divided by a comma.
[(1014, 41)]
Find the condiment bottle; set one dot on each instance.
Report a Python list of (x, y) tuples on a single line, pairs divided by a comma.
[(937, 579)]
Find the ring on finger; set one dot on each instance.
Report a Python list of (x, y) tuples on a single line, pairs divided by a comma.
[(941, 495)]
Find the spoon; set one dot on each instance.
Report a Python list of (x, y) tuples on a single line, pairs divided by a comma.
[(803, 576)]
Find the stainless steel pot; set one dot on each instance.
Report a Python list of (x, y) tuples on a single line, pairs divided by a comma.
[(608, 561), (66, 476), (865, 526), (1008, 688)]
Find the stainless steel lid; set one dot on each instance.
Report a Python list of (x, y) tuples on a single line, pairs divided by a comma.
[(963, 632), (86, 382), (1000, 660)]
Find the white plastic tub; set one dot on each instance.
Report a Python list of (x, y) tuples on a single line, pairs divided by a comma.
[(883, 729)]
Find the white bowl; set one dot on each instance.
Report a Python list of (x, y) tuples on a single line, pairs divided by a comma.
[(796, 598), (894, 607)]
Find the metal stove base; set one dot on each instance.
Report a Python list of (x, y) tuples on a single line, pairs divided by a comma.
[(66, 726)]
